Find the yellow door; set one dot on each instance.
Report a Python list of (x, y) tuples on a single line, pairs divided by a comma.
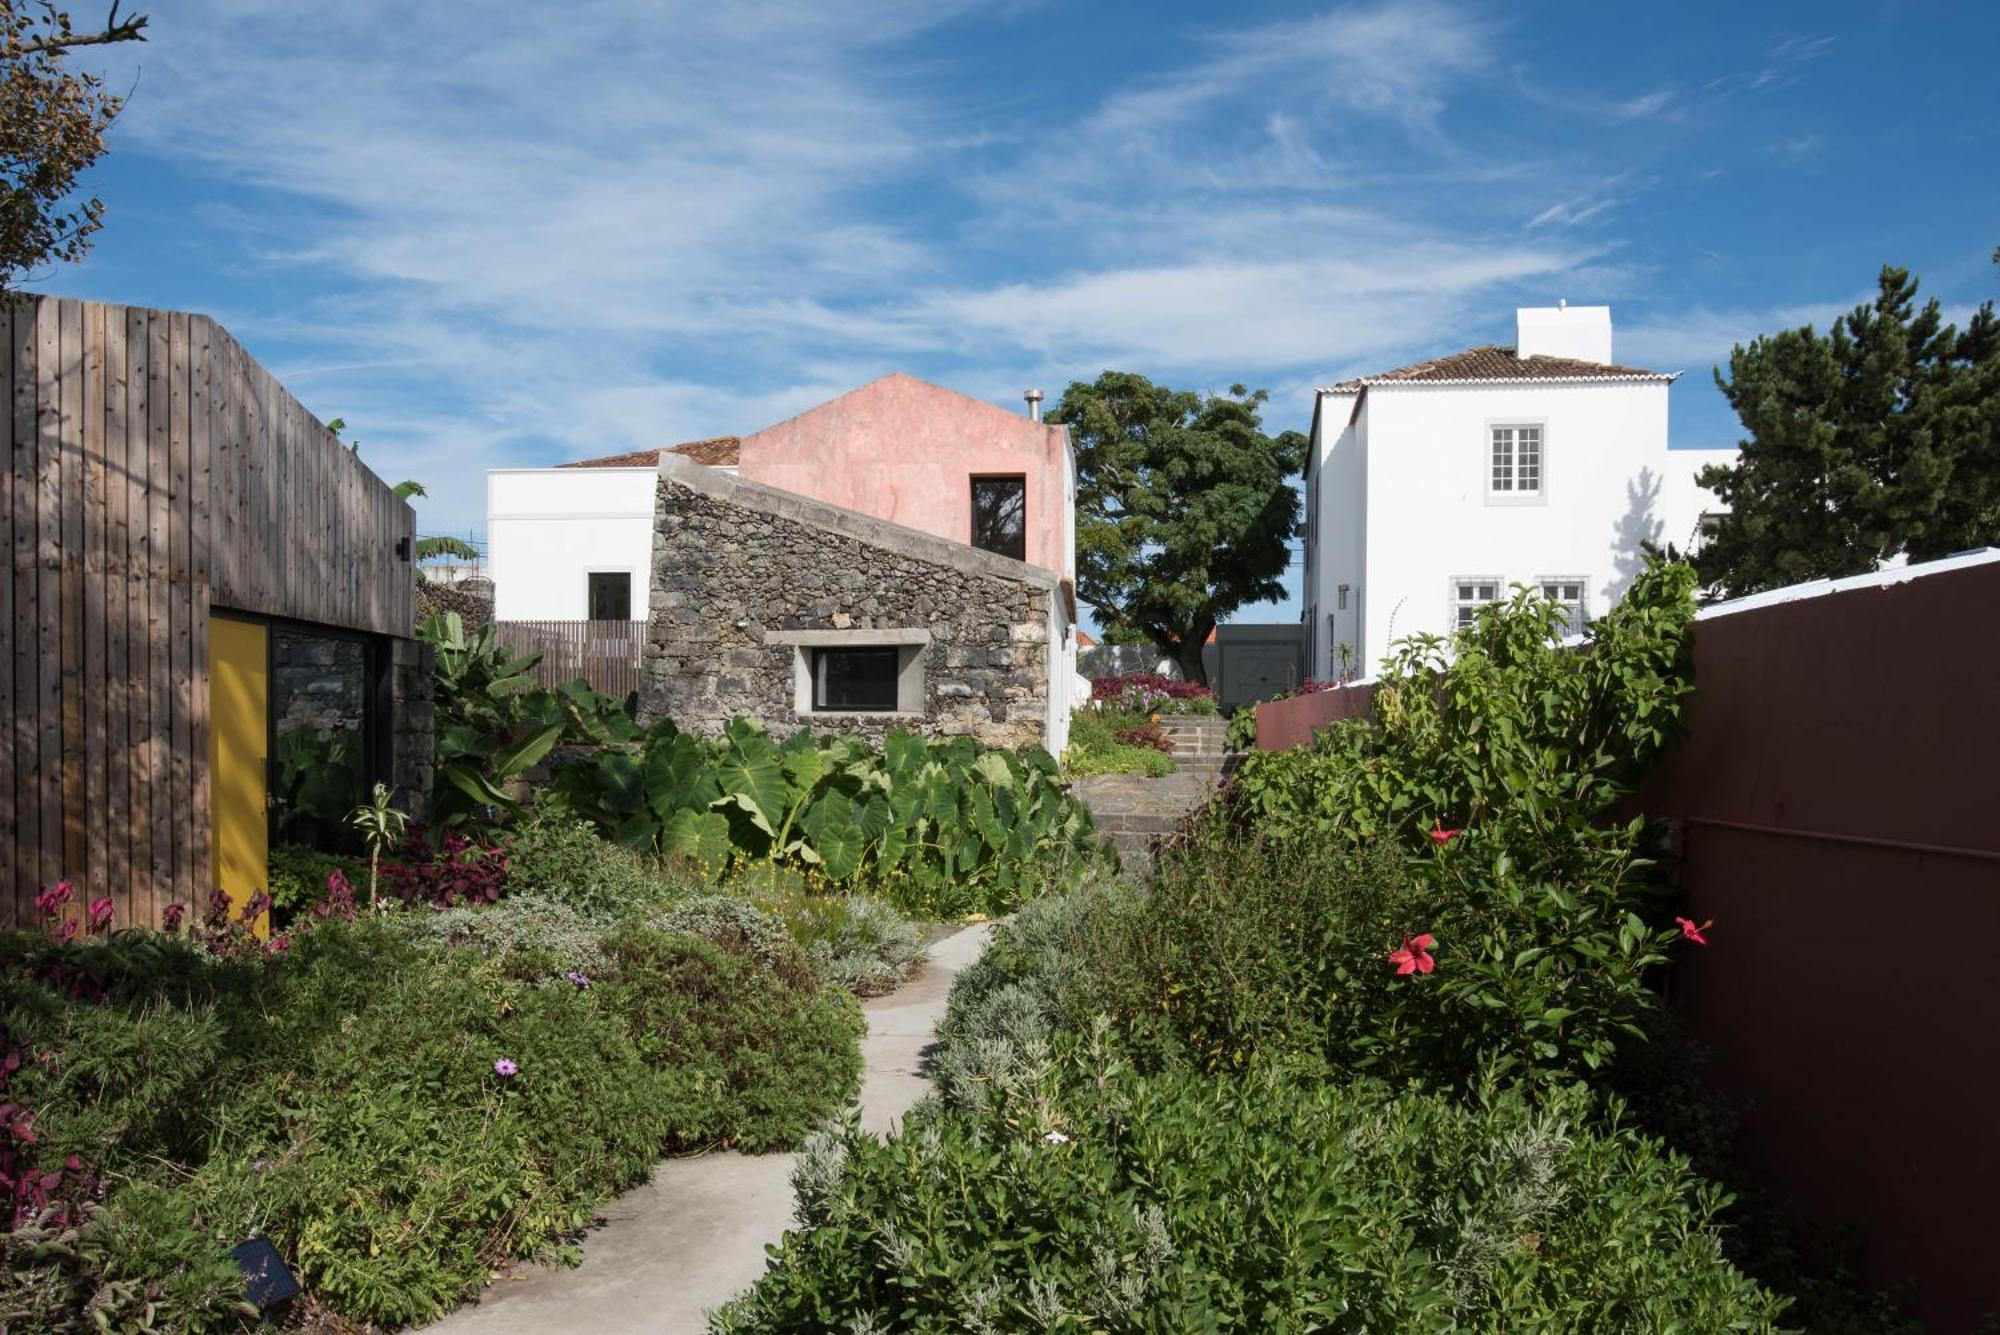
[(239, 742)]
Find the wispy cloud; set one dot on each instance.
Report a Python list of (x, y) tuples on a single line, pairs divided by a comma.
[(611, 224), (1701, 337), (1645, 105)]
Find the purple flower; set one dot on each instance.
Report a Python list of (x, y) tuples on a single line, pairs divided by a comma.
[(100, 914), (577, 978), (504, 1067), (173, 916)]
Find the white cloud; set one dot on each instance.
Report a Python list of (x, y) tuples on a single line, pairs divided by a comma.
[(1646, 104), (1699, 338), (535, 233)]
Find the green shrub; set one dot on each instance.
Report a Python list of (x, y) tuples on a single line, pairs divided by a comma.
[(852, 942), (750, 1054), (298, 876), (1247, 945), (1093, 1198), (1498, 722), (1095, 748), (399, 1115), (555, 857)]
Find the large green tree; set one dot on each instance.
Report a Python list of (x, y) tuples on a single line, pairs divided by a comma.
[(1185, 508), (1880, 437), (52, 123)]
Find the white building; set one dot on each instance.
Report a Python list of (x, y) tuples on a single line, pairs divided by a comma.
[(1433, 488)]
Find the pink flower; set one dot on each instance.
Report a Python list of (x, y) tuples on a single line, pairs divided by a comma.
[(100, 914), (52, 899), (1693, 932), (1412, 958), (504, 1067), (172, 917), (255, 907), (66, 931), (277, 945), (1441, 836)]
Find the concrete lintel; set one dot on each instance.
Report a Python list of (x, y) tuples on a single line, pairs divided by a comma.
[(858, 637)]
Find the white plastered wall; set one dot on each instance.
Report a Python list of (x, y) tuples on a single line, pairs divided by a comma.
[(549, 529)]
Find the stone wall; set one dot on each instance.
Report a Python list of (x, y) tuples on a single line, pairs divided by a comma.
[(746, 578), (412, 719)]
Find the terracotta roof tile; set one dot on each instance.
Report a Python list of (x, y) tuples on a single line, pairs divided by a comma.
[(1488, 362), (716, 452)]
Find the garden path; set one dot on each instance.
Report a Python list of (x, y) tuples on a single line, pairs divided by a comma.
[(694, 1236), (1134, 810)]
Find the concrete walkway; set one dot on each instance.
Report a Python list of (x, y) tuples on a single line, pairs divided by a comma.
[(694, 1236)]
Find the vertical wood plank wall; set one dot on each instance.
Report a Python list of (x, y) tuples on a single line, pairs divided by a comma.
[(150, 469)]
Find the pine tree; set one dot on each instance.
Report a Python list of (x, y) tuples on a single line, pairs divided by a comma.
[(1880, 438)]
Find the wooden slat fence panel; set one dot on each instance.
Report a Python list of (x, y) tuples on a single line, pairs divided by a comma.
[(151, 470), (605, 654)]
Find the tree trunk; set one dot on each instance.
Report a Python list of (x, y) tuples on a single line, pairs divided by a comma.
[(1189, 657)]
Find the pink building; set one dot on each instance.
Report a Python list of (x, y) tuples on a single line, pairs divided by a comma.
[(929, 458), (574, 543)]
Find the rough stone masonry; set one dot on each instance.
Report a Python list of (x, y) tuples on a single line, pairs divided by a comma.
[(747, 579)]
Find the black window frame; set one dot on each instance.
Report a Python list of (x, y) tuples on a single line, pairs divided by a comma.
[(590, 593), (1020, 483), (889, 654)]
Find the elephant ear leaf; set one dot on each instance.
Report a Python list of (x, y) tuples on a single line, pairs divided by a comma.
[(749, 771), (992, 766), (904, 754), (836, 838), (701, 835)]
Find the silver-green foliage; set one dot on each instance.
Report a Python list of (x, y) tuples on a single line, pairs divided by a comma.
[(1092, 1197)]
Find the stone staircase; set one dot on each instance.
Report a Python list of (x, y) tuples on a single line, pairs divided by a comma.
[(1133, 811)]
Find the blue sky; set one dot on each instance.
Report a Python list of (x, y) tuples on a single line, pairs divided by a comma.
[(512, 235)]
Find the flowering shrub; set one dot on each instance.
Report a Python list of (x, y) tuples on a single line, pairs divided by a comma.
[(1151, 693)]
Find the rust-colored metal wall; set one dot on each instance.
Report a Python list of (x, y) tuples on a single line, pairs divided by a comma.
[(1839, 814), (1284, 724)]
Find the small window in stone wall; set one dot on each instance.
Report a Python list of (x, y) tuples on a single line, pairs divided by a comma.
[(1000, 515), (853, 680)]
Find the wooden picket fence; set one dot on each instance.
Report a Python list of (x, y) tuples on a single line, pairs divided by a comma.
[(605, 654)]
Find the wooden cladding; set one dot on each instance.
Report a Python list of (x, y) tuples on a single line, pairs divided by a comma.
[(606, 654), (150, 469)]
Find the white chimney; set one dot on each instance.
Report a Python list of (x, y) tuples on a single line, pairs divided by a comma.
[(1034, 398), (1563, 330)]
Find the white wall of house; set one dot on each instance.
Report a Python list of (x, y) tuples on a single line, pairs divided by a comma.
[(548, 529), (1404, 509)]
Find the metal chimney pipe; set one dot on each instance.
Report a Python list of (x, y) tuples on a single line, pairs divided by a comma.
[(1034, 398)]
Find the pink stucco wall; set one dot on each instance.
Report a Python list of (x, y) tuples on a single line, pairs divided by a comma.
[(905, 450)]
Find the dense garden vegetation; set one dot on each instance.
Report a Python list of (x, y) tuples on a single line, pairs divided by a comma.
[(1379, 1047), (452, 1042)]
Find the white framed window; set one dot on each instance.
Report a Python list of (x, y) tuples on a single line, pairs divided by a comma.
[(1469, 593), (1516, 462), (1571, 593)]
